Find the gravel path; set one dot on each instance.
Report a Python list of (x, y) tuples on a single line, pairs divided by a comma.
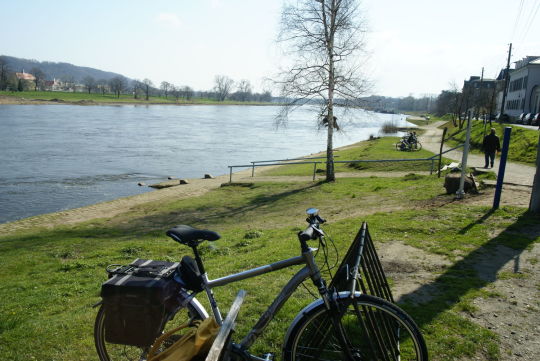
[(515, 173)]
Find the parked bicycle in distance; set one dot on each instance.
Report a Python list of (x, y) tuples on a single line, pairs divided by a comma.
[(409, 143), (138, 304)]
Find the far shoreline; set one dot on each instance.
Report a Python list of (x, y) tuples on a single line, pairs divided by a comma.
[(15, 100)]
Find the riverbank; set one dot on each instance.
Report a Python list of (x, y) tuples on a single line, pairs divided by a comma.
[(426, 240), (50, 98)]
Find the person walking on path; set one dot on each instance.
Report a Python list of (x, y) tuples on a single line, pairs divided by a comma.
[(490, 145)]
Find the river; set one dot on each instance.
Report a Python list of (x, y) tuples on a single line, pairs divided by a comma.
[(57, 157)]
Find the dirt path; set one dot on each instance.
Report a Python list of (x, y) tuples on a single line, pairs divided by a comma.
[(515, 173)]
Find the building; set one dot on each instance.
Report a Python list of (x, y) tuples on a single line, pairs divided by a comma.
[(54, 85), (25, 76), (480, 95), (523, 93)]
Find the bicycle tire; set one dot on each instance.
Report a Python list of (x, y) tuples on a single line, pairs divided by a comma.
[(394, 337), (417, 146), (398, 146), (115, 352)]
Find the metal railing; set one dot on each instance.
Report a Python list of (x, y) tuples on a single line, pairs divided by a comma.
[(292, 161)]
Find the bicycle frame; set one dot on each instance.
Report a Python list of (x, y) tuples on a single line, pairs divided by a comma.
[(310, 270)]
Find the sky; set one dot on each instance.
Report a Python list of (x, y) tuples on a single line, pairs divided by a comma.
[(415, 47)]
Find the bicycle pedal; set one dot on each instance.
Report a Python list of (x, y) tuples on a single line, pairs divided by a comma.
[(268, 356)]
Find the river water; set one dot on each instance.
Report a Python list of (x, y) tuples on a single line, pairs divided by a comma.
[(57, 157)]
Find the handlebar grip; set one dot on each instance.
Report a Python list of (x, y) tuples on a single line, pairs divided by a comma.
[(307, 234)]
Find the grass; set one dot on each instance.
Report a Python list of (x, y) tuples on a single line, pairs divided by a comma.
[(85, 98), (51, 277), (523, 142), (380, 149)]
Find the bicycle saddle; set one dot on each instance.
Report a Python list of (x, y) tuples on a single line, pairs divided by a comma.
[(191, 236)]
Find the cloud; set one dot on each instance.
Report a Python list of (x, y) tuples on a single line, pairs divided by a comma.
[(170, 20)]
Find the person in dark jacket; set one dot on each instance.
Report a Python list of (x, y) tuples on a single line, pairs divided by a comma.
[(491, 145)]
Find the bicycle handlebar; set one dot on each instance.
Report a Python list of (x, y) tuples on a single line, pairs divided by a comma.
[(312, 231)]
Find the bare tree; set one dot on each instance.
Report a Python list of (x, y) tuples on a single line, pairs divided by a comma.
[(324, 40), (118, 84), (147, 86), (39, 78), (102, 85), (68, 82), (4, 71), (89, 83), (223, 86), (137, 87), (244, 90), (187, 92), (165, 87)]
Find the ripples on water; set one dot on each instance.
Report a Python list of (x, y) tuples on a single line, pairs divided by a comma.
[(56, 157)]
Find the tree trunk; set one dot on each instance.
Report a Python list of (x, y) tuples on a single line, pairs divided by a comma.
[(330, 174)]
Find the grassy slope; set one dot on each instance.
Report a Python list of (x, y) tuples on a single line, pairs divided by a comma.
[(50, 278), (108, 98), (381, 148), (523, 142)]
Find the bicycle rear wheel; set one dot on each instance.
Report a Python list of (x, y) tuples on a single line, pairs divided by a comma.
[(116, 352), (374, 330)]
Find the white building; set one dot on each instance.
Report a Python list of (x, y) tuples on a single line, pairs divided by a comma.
[(523, 93)]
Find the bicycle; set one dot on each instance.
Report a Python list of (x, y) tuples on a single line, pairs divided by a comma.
[(345, 323), (405, 145)]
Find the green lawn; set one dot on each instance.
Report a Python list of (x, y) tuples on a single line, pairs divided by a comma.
[(51, 277), (378, 149), (110, 98)]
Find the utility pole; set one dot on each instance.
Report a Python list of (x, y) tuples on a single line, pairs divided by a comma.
[(506, 78)]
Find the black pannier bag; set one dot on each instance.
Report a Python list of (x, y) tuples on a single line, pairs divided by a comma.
[(137, 299)]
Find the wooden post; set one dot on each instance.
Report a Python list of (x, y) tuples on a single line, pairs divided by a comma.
[(314, 170), (440, 151), (230, 174), (534, 205), (502, 167)]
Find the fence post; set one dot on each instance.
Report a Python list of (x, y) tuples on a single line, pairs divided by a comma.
[(252, 169), (314, 170), (502, 167), (440, 151), (432, 164), (230, 174)]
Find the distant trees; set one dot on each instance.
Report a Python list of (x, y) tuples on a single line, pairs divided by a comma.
[(165, 88), (223, 86), (4, 73), (39, 78), (102, 86), (89, 83), (68, 82), (117, 85), (243, 92), (147, 85)]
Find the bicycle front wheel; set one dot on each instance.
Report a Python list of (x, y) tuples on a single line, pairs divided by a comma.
[(115, 352), (417, 146), (373, 330)]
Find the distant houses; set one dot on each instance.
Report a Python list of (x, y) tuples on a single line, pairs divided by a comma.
[(25, 76), (521, 93)]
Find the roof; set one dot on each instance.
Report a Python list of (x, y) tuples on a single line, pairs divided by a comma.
[(25, 76)]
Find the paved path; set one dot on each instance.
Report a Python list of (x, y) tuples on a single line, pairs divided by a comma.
[(515, 173)]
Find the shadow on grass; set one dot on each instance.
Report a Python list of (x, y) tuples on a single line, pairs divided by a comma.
[(475, 271), (154, 224)]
